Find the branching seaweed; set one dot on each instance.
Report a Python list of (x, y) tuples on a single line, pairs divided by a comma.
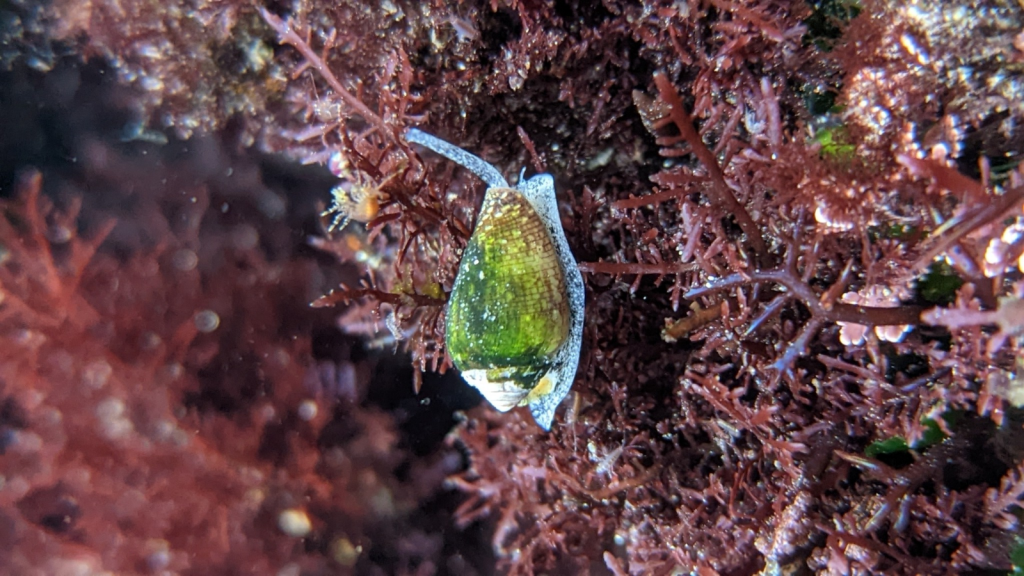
[(797, 240)]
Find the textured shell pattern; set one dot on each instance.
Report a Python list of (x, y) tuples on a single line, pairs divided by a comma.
[(515, 315)]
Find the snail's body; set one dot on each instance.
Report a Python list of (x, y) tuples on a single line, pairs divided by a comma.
[(515, 315)]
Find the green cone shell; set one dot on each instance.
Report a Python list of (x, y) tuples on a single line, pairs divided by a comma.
[(508, 311)]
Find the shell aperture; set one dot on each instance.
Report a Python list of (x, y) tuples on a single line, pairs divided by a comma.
[(515, 314)]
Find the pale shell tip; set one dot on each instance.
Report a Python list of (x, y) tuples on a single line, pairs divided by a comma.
[(503, 395)]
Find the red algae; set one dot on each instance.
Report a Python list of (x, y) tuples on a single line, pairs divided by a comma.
[(800, 225), (162, 408)]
